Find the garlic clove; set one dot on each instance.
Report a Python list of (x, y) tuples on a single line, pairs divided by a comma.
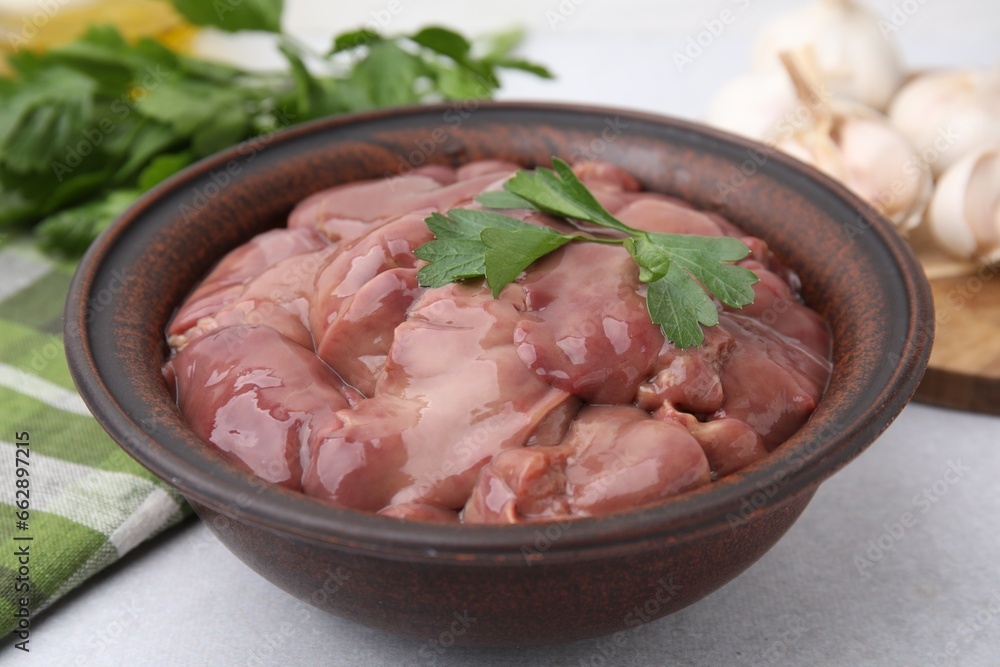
[(882, 167), (850, 142), (947, 114), (857, 146), (964, 215), (753, 105), (856, 60)]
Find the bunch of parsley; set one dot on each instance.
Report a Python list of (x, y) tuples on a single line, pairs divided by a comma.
[(87, 127)]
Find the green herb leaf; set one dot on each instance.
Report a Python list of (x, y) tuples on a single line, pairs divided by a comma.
[(315, 96), (233, 15), (677, 268), (15, 207), (705, 258), (511, 251), (444, 41), (73, 230), (388, 74), (146, 139), (457, 82), (501, 45), (458, 251), (504, 199), (653, 260), (163, 167), (525, 66), (561, 193), (187, 105), (43, 117), (354, 39), (225, 128), (679, 305)]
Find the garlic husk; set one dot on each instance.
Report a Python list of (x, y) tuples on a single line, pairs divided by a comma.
[(754, 104), (948, 114), (859, 147), (964, 215), (855, 59)]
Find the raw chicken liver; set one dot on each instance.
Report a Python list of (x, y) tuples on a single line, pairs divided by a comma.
[(313, 357)]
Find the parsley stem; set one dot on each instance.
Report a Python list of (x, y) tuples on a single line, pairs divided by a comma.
[(598, 239)]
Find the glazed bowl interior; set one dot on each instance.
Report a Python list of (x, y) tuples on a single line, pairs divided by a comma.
[(855, 270)]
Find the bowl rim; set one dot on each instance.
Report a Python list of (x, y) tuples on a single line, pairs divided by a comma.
[(698, 512)]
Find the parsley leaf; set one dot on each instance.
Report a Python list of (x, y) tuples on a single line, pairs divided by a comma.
[(233, 15), (561, 193), (511, 251), (354, 39), (678, 304), (503, 199), (388, 74), (682, 272), (705, 257), (653, 260), (444, 41), (459, 251), (39, 120), (75, 228)]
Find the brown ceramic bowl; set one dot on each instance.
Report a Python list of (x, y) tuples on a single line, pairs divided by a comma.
[(525, 584)]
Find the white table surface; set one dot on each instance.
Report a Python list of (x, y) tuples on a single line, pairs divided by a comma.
[(845, 586)]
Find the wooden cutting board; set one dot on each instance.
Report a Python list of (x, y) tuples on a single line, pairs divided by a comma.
[(964, 368)]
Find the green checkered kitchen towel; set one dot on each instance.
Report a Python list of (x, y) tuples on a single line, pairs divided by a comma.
[(87, 502)]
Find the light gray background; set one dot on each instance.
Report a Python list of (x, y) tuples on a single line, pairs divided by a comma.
[(844, 587)]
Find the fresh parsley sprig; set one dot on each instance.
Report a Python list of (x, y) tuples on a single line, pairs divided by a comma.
[(88, 126), (679, 270)]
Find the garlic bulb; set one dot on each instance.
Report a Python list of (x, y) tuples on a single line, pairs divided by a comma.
[(859, 147), (753, 105), (947, 114), (856, 60), (964, 215)]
